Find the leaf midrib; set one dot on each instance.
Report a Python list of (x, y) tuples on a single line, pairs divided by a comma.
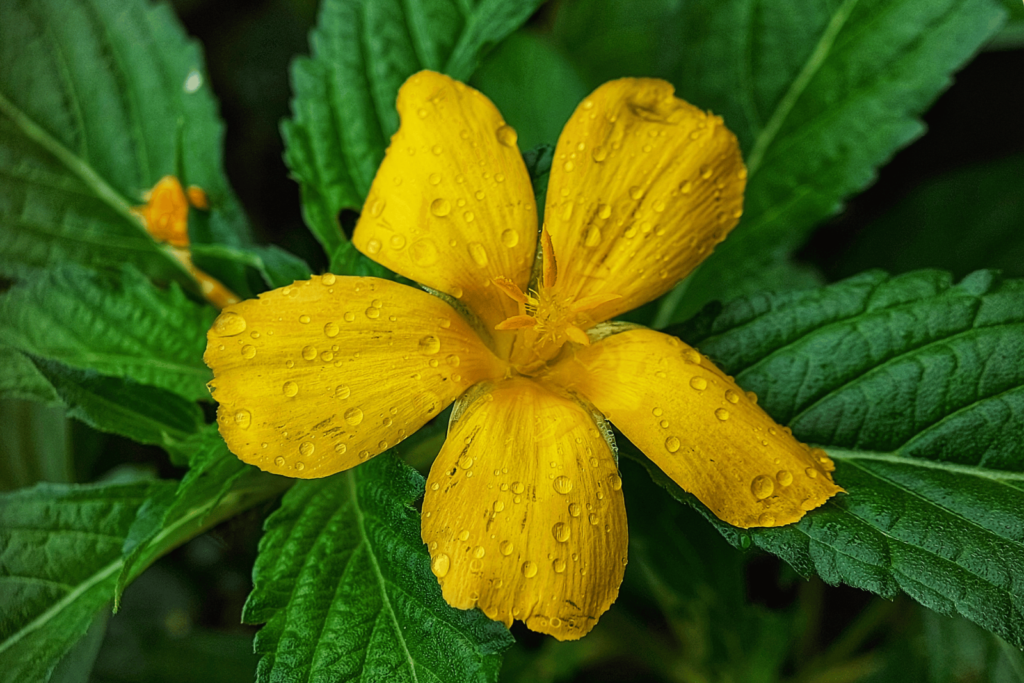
[(350, 482)]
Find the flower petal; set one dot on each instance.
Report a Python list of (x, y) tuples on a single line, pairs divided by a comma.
[(524, 515), (643, 185), (452, 206), (700, 428), (316, 377)]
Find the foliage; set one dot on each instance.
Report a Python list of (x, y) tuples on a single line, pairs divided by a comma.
[(913, 382)]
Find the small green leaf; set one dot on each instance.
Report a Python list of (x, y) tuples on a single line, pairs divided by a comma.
[(61, 550), (119, 326), (534, 86), (99, 100), (344, 586), (915, 387), (343, 113), (142, 413)]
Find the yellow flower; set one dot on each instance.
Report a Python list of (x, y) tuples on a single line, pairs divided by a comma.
[(523, 514)]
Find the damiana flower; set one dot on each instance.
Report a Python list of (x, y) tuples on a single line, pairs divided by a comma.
[(523, 514)]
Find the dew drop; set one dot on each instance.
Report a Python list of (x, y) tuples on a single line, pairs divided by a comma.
[(784, 477), (558, 565), (529, 569), (248, 352), (672, 444), (353, 416), (342, 391), (593, 237), (762, 487), (731, 396), (290, 389), (243, 418), (331, 329), (429, 345), (722, 414), (440, 207), (424, 252), (510, 238), (372, 313), (479, 552), (568, 167), (309, 353), (440, 565), (228, 324), (507, 136), (506, 548), (766, 519), (328, 279), (691, 356), (465, 462), (561, 532), (636, 192), (593, 518), (349, 316), (498, 506), (517, 487), (616, 482), (306, 449), (279, 461), (811, 473), (340, 448), (599, 154), (477, 252), (698, 383), (304, 319), (469, 216), (575, 509), (464, 535), (562, 484), (373, 246), (604, 211), (300, 466)]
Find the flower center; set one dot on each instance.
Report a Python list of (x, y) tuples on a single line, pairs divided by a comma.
[(547, 318)]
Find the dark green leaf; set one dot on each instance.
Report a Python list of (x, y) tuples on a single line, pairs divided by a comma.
[(19, 378), (915, 387), (533, 85), (969, 219), (99, 99), (343, 113), (121, 326), (60, 551), (264, 267), (344, 586), (142, 413)]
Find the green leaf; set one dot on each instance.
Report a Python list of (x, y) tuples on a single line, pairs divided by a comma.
[(99, 99), (122, 326), (142, 413), (964, 220), (343, 583), (19, 378), (343, 113), (35, 443), (915, 387), (264, 267), (819, 96), (213, 473), (61, 550), (534, 86)]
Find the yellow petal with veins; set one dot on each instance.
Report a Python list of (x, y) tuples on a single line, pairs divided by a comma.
[(700, 428), (451, 205), (524, 516), (643, 186), (318, 376)]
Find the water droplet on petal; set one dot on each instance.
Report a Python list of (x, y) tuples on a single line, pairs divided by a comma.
[(506, 548), (784, 477), (672, 444), (561, 532), (429, 345), (228, 324), (340, 448), (722, 414), (731, 396), (328, 279), (373, 246), (762, 487), (558, 565), (440, 565), (593, 237), (507, 136), (510, 238), (279, 461), (529, 569), (478, 253), (353, 416), (440, 207), (562, 484), (615, 481), (306, 449), (811, 472), (290, 389), (636, 192), (248, 352), (575, 509), (243, 418), (698, 383), (766, 519)]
